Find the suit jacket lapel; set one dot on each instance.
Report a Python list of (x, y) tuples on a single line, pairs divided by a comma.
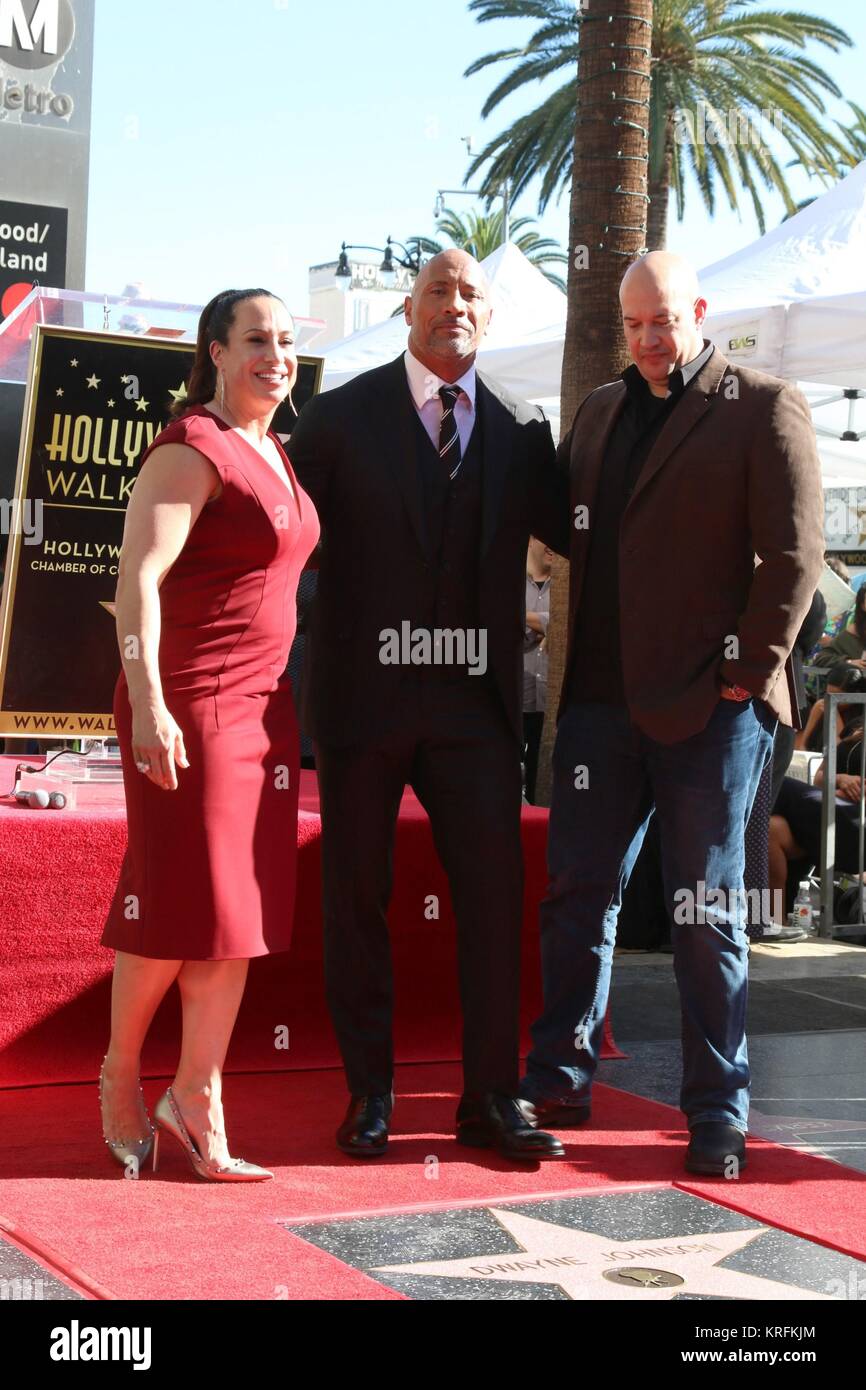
[(586, 460), (497, 434), (586, 472), (695, 403), (393, 429)]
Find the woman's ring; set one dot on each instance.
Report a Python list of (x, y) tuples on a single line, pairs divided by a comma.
[(143, 767)]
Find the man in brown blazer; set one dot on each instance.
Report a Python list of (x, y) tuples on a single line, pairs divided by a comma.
[(696, 547)]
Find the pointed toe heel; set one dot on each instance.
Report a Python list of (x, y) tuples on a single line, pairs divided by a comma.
[(127, 1151), (167, 1118)]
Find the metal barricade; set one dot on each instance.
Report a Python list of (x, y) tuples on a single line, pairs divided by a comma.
[(828, 927)]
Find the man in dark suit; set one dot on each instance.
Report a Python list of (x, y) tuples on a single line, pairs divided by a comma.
[(682, 473), (428, 480)]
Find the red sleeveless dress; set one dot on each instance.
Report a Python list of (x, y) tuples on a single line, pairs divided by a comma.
[(209, 872)]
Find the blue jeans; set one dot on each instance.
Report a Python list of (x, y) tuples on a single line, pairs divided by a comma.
[(608, 778)]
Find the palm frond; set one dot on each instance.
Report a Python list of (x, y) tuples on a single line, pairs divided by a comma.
[(727, 55)]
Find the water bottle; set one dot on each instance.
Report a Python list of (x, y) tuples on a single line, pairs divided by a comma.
[(803, 914)]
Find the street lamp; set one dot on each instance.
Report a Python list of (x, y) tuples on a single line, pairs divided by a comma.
[(504, 193), (387, 270), (343, 273)]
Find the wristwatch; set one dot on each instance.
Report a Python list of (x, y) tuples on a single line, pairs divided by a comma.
[(737, 691)]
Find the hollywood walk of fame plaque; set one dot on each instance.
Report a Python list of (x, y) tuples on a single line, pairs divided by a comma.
[(647, 1246), (94, 403)]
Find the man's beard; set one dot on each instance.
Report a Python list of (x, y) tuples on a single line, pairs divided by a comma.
[(458, 345)]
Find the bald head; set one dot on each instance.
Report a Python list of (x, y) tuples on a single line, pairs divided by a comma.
[(662, 314), (448, 313), (664, 273), (446, 264)]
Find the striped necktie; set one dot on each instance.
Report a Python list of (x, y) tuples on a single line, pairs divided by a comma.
[(449, 435)]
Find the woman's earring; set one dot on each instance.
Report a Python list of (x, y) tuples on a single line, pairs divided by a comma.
[(292, 404), (221, 390)]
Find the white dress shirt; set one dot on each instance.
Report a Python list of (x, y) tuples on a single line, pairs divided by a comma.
[(535, 646), (424, 386)]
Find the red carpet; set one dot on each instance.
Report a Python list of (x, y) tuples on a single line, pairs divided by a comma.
[(59, 872), (186, 1239)]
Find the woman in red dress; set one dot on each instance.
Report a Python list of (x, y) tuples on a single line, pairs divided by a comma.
[(217, 532)]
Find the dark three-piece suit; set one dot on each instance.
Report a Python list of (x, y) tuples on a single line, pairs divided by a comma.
[(403, 544)]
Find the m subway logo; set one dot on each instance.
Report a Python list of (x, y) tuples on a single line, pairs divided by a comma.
[(35, 33)]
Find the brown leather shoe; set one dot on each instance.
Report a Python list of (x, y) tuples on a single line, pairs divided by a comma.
[(559, 1116)]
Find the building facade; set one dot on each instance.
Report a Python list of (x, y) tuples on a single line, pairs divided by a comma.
[(367, 301)]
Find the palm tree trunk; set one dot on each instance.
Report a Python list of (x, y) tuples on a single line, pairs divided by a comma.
[(657, 214), (607, 230)]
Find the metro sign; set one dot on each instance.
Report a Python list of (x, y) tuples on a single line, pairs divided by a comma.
[(35, 33)]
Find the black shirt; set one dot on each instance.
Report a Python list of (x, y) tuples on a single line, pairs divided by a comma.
[(596, 672)]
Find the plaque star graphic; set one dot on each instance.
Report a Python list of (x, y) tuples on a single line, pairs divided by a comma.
[(141, 403), (59, 391), (74, 362), (93, 382), (124, 379), (180, 393), (587, 1266), (110, 404), (802, 1130)]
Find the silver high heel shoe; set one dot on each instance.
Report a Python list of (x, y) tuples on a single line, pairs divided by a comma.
[(127, 1150), (167, 1117)]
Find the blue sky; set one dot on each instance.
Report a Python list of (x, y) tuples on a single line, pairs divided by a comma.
[(239, 141)]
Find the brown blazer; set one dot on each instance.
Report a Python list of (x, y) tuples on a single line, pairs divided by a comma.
[(734, 477)]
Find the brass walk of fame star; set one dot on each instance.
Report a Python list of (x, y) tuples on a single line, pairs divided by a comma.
[(180, 393), (587, 1266)]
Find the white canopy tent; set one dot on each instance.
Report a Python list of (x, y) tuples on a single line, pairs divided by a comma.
[(794, 302)]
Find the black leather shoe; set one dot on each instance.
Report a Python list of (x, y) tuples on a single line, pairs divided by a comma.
[(507, 1124), (558, 1116), (364, 1131), (713, 1147)]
